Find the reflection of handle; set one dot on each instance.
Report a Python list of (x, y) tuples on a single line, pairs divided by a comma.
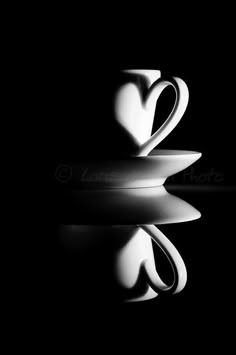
[(178, 266), (181, 102)]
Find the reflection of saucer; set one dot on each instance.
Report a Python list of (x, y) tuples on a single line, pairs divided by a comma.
[(132, 172), (151, 205)]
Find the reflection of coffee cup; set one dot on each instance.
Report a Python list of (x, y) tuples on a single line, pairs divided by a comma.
[(122, 262)]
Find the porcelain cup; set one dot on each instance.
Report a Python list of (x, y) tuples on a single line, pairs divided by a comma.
[(135, 103)]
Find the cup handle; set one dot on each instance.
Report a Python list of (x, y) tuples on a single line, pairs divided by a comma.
[(176, 261), (181, 102)]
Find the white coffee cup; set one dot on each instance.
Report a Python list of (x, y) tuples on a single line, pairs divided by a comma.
[(135, 103)]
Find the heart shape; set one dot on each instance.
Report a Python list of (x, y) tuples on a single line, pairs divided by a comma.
[(133, 114)]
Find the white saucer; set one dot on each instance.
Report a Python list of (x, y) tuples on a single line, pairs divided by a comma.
[(132, 172)]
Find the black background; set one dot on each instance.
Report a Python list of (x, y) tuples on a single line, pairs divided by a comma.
[(65, 62), (75, 74)]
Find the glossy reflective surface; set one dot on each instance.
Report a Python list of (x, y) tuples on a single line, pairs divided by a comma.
[(203, 243), (96, 225), (58, 292)]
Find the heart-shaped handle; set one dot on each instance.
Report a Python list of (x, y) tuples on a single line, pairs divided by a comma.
[(178, 266), (181, 102)]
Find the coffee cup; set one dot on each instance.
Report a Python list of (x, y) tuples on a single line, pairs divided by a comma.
[(113, 113), (135, 104)]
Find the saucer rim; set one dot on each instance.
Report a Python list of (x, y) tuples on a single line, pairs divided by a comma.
[(155, 153), (178, 152)]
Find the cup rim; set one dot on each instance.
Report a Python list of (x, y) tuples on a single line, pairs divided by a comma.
[(140, 71)]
